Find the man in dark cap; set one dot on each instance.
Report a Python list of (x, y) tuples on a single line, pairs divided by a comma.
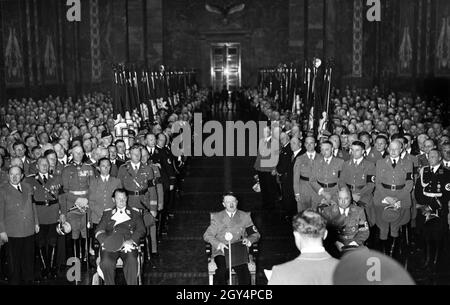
[(119, 233)]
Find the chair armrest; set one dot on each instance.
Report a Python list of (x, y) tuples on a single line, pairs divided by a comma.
[(208, 249)]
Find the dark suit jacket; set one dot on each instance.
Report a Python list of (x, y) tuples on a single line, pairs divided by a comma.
[(284, 162), (18, 215)]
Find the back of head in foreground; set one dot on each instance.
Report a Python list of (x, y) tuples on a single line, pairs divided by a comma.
[(368, 267)]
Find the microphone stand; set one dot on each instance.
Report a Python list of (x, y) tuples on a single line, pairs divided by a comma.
[(229, 264)]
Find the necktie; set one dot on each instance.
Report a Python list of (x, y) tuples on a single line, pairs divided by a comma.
[(63, 162), (394, 163), (18, 188), (121, 212), (45, 179)]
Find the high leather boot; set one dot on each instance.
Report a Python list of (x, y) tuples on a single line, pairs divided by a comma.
[(76, 247), (52, 266), (43, 257)]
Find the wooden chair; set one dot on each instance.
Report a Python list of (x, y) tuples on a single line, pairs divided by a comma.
[(252, 253)]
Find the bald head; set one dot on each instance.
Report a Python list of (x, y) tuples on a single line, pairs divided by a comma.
[(395, 148)]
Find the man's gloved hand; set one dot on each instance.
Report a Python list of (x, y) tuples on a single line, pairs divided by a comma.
[(221, 247), (128, 246)]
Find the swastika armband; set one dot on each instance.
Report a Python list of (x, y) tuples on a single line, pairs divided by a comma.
[(370, 178), (409, 176)]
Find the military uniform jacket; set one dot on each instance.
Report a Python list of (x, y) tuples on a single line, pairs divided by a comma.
[(342, 154), (159, 186), (360, 177), (45, 197), (57, 171), (29, 167), (325, 173), (18, 215), (141, 181), (414, 161), (400, 175), (100, 196), (167, 167), (373, 156), (4, 177), (431, 186), (303, 166), (422, 160), (133, 228), (353, 227), (75, 178), (221, 223), (266, 160)]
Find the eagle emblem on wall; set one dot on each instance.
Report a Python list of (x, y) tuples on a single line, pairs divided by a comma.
[(225, 10)]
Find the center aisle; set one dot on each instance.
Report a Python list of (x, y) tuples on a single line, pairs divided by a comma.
[(182, 259)]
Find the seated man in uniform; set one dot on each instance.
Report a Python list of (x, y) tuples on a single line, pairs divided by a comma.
[(348, 219), (240, 224), (119, 232)]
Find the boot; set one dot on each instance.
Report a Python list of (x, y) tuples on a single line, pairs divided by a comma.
[(53, 271), (43, 256), (76, 247)]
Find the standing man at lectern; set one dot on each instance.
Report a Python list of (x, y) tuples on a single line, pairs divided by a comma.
[(240, 225)]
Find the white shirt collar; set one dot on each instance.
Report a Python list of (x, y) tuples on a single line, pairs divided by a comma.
[(358, 161), (435, 168), (328, 160), (313, 249), (23, 159), (311, 154), (296, 152), (63, 159), (105, 177), (138, 165), (446, 163), (231, 214), (408, 150), (344, 211), (396, 159), (368, 150), (43, 175), (118, 210), (16, 186)]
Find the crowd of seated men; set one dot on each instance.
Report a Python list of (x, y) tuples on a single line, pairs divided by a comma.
[(391, 153), (68, 152)]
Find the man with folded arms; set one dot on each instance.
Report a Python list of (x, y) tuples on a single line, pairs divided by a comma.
[(119, 233)]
